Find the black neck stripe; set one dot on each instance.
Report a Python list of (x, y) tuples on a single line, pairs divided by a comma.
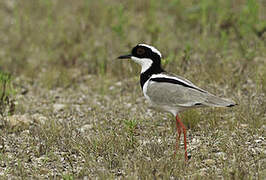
[(154, 69), (174, 81)]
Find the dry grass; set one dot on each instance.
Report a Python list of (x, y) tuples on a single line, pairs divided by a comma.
[(80, 113)]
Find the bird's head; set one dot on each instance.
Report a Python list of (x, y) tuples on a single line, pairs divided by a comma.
[(145, 55)]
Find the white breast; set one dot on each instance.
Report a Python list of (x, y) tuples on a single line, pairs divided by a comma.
[(145, 87)]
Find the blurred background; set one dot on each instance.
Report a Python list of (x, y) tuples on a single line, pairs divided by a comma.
[(70, 109), (51, 38)]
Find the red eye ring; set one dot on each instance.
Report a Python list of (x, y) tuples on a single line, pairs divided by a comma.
[(140, 51)]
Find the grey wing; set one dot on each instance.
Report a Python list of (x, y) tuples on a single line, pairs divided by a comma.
[(175, 95)]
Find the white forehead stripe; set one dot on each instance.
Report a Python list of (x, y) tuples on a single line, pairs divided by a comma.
[(153, 49)]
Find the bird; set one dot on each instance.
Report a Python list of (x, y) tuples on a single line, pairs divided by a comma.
[(169, 92)]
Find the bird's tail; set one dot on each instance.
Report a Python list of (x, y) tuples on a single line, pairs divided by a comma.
[(215, 101)]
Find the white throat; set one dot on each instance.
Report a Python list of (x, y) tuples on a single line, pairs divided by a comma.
[(144, 62)]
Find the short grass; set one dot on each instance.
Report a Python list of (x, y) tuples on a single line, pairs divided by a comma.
[(84, 110)]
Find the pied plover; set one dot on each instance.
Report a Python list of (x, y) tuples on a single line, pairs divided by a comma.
[(168, 92)]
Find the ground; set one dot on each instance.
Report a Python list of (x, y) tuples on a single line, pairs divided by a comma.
[(71, 110)]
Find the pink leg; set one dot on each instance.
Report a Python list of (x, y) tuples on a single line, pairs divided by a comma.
[(178, 130), (178, 124)]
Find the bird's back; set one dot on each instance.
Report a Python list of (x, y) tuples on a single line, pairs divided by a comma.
[(177, 92)]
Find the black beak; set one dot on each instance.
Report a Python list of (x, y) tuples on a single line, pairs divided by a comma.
[(125, 56)]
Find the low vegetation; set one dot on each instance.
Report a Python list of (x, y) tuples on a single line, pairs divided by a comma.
[(70, 110)]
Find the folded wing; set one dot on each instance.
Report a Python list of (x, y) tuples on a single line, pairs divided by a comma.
[(176, 92)]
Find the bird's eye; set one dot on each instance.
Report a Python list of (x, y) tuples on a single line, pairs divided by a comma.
[(140, 51)]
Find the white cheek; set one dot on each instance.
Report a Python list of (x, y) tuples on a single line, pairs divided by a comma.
[(144, 62)]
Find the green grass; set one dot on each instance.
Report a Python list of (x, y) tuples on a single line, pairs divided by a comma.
[(86, 113), (6, 95)]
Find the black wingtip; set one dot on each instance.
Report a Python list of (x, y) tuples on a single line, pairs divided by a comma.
[(197, 104), (231, 105)]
